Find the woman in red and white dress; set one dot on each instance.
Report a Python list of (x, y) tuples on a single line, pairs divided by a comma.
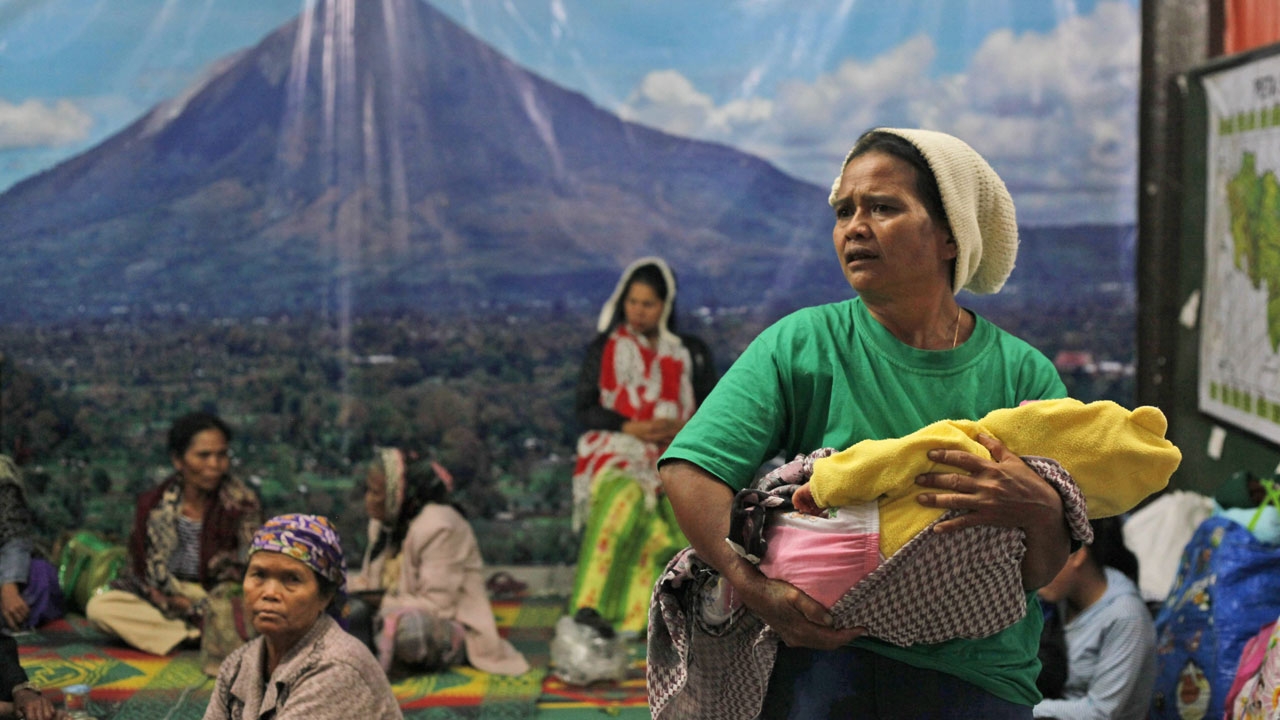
[(640, 383)]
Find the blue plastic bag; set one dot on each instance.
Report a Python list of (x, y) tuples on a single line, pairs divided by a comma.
[(1228, 586)]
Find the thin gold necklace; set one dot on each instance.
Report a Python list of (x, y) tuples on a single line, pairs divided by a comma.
[(956, 340)]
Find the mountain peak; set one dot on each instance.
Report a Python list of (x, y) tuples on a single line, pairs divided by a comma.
[(377, 154)]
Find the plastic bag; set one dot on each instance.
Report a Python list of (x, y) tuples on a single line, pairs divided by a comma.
[(87, 563), (586, 650), (1228, 586), (1252, 695)]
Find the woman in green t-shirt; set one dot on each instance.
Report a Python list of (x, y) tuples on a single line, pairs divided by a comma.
[(919, 215)]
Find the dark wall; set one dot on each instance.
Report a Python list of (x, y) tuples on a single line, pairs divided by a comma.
[(1179, 36)]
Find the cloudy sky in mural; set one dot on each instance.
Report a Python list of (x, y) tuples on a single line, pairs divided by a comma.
[(1047, 90)]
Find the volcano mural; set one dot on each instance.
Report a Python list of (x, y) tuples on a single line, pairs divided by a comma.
[(376, 154)]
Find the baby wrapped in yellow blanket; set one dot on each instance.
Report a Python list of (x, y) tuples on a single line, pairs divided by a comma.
[(1117, 458)]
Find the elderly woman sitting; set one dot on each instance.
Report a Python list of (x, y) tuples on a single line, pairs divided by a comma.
[(302, 664), (189, 537), (424, 557)]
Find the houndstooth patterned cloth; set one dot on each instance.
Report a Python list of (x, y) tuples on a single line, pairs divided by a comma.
[(966, 584)]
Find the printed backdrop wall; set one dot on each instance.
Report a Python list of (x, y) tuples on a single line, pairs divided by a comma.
[(350, 223)]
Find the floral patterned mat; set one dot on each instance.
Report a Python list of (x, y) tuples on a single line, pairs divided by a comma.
[(127, 684)]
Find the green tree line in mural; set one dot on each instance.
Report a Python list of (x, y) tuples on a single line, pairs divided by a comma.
[(86, 407)]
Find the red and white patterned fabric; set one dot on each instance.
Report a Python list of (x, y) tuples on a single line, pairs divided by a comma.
[(642, 380)]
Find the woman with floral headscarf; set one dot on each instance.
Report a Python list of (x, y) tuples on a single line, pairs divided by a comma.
[(302, 664), (640, 383)]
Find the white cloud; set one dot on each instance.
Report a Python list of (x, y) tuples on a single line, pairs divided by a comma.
[(33, 123), (666, 99), (1055, 113)]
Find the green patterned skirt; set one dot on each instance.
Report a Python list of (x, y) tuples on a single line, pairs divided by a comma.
[(625, 546)]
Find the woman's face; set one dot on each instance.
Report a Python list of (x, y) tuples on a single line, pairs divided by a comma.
[(642, 308), (375, 494), (205, 460), (283, 596), (888, 244)]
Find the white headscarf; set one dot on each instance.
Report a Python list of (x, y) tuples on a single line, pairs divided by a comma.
[(611, 305)]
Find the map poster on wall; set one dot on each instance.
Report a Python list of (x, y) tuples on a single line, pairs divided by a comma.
[(1240, 318)]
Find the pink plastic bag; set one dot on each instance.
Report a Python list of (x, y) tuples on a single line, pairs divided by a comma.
[(1254, 693)]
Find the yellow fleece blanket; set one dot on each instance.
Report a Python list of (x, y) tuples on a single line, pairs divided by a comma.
[(1116, 456)]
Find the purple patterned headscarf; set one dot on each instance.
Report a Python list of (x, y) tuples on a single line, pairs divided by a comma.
[(309, 539)]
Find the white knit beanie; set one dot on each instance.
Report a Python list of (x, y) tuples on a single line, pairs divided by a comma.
[(979, 208)]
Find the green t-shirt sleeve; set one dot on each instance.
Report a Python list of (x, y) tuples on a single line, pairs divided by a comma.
[(1044, 381), (738, 427)]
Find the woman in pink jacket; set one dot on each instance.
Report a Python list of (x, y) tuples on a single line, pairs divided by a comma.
[(435, 611)]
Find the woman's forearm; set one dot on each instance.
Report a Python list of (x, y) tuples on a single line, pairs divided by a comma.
[(703, 505), (1048, 543)]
